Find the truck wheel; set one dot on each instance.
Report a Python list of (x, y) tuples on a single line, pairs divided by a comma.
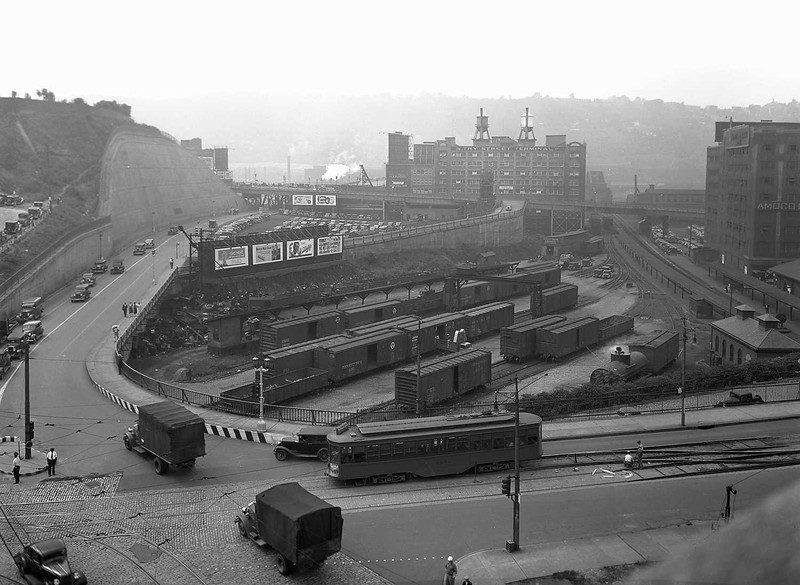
[(240, 526), (322, 455), (161, 466), (281, 454), (284, 566), (127, 442)]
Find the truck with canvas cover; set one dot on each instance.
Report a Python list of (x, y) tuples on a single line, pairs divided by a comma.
[(303, 529), (173, 434)]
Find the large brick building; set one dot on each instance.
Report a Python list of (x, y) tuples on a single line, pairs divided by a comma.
[(520, 168), (753, 194)]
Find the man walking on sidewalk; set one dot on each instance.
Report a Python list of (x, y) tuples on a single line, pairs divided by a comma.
[(15, 467), (639, 454), (52, 459)]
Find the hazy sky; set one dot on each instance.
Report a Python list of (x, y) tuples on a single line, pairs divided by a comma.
[(697, 52)]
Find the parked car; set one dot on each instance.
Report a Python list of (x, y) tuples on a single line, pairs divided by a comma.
[(87, 278), (100, 266), (308, 442), (81, 294), (149, 243), (737, 398), (118, 267), (139, 249), (173, 230)]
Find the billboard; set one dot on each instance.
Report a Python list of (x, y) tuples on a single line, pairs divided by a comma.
[(230, 257), (300, 199), (329, 245), (266, 253), (299, 249), (326, 199)]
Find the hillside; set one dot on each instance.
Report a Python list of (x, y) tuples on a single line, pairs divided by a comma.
[(52, 149), (661, 142)]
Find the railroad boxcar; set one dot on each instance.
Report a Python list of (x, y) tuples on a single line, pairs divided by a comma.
[(383, 325), (392, 451), (615, 325), (359, 355), (442, 378), (372, 313), (661, 348), (518, 342), (624, 366), (593, 246), (559, 297), (546, 274), (433, 332), (556, 341), (287, 332), (488, 319), (277, 389), (470, 294), (296, 357)]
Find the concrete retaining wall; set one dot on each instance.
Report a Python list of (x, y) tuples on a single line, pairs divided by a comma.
[(149, 182)]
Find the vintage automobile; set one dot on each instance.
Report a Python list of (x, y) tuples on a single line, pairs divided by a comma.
[(173, 230), (308, 442), (81, 294), (46, 563), (87, 278), (737, 398), (100, 266), (139, 249), (118, 267), (28, 334)]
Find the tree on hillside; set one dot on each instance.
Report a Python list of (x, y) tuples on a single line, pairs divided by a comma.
[(113, 105), (27, 96), (79, 101), (13, 94), (46, 94)]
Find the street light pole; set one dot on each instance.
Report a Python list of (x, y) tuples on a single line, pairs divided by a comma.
[(515, 536), (28, 433), (682, 389), (419, 343), (261, 426), (153, 256), (177, 247), (153, 216)]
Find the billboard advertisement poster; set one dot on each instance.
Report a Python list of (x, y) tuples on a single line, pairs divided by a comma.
[(326, 199), (300, 199), (266, 253), (230, 257), (300, 249), (329, 245)]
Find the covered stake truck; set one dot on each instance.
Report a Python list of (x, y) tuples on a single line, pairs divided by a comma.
[(303, 529), (170, 432)]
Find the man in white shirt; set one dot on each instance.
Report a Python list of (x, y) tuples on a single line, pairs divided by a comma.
[(52, 459)]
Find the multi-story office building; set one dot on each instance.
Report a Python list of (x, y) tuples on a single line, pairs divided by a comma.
[(444, 169), (753, 194)]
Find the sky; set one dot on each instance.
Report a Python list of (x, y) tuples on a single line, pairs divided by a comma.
[(698, 52)]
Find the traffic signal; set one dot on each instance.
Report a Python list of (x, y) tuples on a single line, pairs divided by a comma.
[(30, 431), (507, 486)]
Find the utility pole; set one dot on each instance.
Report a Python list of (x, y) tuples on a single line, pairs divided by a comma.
[(682, 389), (728, 491), (515, 537), (28, 428), (261, 426), (419, 341)]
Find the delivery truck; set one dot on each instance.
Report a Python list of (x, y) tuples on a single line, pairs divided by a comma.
[(171, 433), (303, 529)]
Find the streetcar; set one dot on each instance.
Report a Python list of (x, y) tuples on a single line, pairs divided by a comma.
[(393, 451)]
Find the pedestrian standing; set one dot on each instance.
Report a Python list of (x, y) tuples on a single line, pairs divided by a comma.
[(115, 331), (124, 309), (450, 571), (639, 454), (52, 459), (15, 467), (135, 308), (171, 263)]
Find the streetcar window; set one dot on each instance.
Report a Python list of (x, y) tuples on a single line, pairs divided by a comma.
[(437, 445), (509, 439), (334, 454), (463, 444), (372, 452), (399, 449), (386, 451), (411, 447), (424, 447), (487, 441), (450, 444), (476, 443), (533, 438), (359, 454), (498, 441)]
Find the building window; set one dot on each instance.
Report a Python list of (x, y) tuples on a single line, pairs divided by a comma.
[(768, 148)]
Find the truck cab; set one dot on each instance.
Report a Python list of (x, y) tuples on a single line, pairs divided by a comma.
[(11, 227), (46, 563), (308, 442), (149, 243), (32, 309)]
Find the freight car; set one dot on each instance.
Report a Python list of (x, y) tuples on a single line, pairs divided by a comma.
[(518, 342), (383, 325), (647, 356), (442, 378), (615, 325), (433, 332), (559, 298), (359, 355), (488, 319), (296, 357), (561, 339), (278, 334), (277, 389), (372, 313)]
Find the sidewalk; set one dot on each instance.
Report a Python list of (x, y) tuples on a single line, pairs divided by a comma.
[(495, 567)]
